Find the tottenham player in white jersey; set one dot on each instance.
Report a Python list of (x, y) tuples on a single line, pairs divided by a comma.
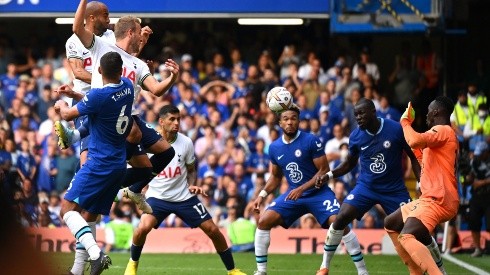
[(128, 40), (174, 191)]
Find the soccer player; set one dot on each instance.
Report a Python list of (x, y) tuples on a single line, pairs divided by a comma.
[(80, 59), (300, 157), (128, 40), (174, 191), (379, 144), (410, 227), (96, 184)]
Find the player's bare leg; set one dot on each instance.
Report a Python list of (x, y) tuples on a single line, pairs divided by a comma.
[(221, 246)]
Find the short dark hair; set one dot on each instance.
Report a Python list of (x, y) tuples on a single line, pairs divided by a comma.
[(111, 65), (445, 103), (168, 109)]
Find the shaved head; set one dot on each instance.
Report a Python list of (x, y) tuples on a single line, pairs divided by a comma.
[(94, 8)]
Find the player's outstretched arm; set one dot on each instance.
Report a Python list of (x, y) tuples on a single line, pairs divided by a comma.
[(343, 168), (85, 36), (160, 88), (272, 183), (414, 161), (66, 112)]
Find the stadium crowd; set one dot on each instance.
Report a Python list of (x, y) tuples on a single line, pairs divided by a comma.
[(221, 98)]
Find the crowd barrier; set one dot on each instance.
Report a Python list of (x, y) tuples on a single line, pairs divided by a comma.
[(186, 240)]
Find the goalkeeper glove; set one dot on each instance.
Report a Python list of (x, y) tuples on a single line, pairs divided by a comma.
[(408, 115)]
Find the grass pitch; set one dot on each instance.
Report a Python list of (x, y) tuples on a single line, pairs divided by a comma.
[(210, 264)]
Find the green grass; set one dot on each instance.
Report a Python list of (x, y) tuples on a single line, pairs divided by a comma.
[(210, 264)]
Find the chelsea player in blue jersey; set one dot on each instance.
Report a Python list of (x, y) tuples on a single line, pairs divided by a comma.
[(378, 145), (300, 157), (96, 184)]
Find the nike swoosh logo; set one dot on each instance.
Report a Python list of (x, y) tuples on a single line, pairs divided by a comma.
[(364, 148), (203, 216), (280, 157), (84, 53)]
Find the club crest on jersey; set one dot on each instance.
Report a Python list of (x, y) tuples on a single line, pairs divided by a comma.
[(350, 197), (386, 144), (297, 153)]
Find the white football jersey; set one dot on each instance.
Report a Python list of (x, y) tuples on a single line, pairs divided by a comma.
[(171, 184), (75, 49), (134, 68)]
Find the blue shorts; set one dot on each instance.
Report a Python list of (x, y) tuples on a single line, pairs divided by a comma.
[(149, 135), (363, 198), (191, 211), (83, 141), (322, 204), (95, 189)]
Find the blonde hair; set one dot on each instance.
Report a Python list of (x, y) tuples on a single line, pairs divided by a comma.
[(124, 24)]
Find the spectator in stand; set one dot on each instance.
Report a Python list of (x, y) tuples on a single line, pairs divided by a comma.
[(349, 121), (212, 166), (346, 84), (55, 208), (256, 87), (304, 71), (186, 65), (208, 143), (220, 69), (238, 65), (477, 129), (46, 78), (26, 164), (264, 131), (46, 179), (302, 103), (335, 114), (258, 161), (67, 164), (243, 180), (475, 98), (241, 231), (288, 57), (232, 154), (119, 232), (386, 111), (8, 84), (479, 203), (332, 147), (403, 78), (460, 115), (308, 221), (371, 67)]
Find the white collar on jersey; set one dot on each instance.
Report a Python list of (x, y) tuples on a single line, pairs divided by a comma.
[(113, 84), (297, 135), (380, 127)]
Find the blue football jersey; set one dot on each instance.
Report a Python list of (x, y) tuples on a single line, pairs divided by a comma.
[(109, 120), (296, 159), (380, 156)]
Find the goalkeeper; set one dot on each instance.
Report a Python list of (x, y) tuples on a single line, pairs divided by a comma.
[(410, 227)]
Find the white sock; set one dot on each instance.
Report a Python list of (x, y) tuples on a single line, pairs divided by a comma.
[(436, 255), (81, 230), (332, 241), (119, 195), (354, 249), (76, 136), (262, 242), (81, 255)]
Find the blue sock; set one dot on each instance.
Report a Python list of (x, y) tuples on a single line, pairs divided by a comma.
[(137, 175), (227, 259), (136, 252)]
